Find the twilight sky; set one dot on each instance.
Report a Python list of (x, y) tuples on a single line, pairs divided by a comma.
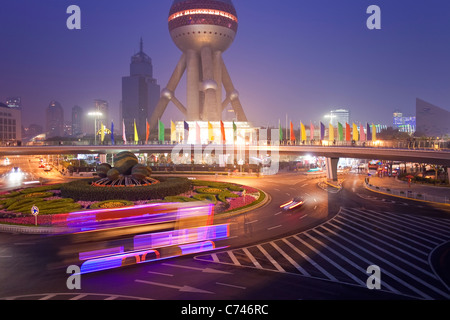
[(296, 57)]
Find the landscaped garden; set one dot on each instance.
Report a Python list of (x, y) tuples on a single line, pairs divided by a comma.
[(78, 195), (128, 183)]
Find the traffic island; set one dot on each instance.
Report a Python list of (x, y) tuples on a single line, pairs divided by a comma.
[(55, 202)]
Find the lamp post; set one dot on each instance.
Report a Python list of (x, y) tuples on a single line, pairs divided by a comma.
[(95, 114)]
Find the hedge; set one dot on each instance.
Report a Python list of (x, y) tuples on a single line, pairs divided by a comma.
[(83, 190)]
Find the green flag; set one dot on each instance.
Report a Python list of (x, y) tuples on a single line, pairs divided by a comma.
[(161, 131), (234, 131), (281, 130), (341, 131)]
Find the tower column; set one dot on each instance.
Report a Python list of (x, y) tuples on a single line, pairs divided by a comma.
[(193, 79), (217, 61), (209, 86), (168, 94)]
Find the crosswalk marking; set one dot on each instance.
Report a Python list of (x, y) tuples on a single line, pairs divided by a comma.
[(307, 258), (402, 243), (267, 255), (343, 247), (252, 258), (295, 264)]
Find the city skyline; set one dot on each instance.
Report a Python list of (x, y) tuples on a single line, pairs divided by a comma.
[(309, 60)]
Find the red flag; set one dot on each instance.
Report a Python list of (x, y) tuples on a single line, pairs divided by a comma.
[(147, 132), (348, 135), (222, 130), (292, 132)]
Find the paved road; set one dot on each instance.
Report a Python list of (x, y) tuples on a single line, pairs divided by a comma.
[(322, 251)]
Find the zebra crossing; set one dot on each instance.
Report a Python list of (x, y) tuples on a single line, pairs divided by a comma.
[(342, 248)]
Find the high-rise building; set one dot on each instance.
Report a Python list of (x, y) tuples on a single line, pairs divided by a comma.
[(102, 107), (339, 115), (55, 120), (77, 121), (10, 124), (432, 121), (140, 94)]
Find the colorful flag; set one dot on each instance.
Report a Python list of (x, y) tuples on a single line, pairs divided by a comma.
[(302, 132), (368, 133), (136, 137), (124, 136), (322, 131), (147, 131), (186, 131), (341, 131), (355, 132), (112, 133), (362, 134), (102, 132), (311, 131), (161, 131), (222, 131), (210, 132), (292, 132), (173, 131), (348, 135), (330, 132), (281, 130)]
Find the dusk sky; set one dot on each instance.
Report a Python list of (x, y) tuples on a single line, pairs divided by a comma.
[(302, 58)]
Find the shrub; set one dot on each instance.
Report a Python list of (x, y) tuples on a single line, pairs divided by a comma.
[(204, 196), (111, 204), (83, 190), (226, 194), (218, 185), (209, 190), (179, 199)]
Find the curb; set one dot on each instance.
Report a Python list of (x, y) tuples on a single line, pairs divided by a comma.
[(406, 198)]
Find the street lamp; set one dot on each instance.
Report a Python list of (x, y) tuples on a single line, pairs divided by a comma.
[(95, 114)]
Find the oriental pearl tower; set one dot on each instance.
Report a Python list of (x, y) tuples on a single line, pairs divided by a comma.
[(202, 30)]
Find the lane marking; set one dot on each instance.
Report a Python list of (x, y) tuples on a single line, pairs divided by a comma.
[(230, 285), (160, 273), (271, 228)]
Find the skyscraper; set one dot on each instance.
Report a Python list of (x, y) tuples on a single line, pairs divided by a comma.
[(77, 121), (140, 93), (55, 120)]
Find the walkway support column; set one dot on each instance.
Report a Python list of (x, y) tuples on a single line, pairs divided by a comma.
[(332, 169)]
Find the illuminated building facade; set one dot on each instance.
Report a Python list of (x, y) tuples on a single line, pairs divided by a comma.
[(404, 124), (10, 124), (202, 30), (341, 116)]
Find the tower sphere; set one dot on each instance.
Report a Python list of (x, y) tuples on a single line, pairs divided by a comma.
[(194, 24)]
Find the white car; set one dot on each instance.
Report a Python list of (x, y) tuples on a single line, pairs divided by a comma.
[(294, 203)]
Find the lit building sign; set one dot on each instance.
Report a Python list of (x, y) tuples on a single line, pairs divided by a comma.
[(203, 11)]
